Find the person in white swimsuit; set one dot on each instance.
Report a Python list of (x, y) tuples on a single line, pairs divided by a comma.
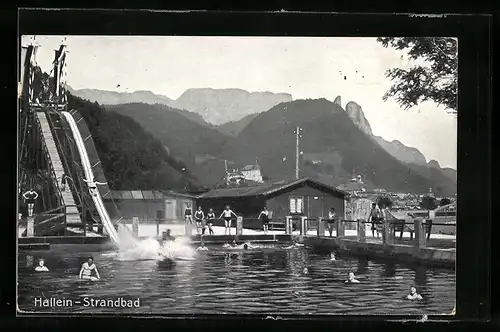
[(413, 294), (86, 270), (41, 266), (227, 213)]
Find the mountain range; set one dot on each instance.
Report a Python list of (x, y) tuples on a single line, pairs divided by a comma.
[(215, 106), (204, 145)]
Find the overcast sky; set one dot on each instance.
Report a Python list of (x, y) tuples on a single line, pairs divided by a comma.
[(304, 67)]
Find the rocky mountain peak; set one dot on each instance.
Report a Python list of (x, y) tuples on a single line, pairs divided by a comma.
[(355, 112), (338, 101)]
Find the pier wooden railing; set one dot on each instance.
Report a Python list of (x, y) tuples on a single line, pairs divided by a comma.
[(420, 229)]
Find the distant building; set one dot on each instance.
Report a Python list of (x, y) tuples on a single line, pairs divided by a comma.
[(354, 187), (147, 205), (252, 173), (304, 196)]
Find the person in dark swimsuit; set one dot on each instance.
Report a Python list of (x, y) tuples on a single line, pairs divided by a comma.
[(375, 218), (29, 198), (210, 221), (199, 216), (188, 214), (331, 220), (264, 215)]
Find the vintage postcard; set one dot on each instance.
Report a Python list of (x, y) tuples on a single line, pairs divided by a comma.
[(170, 175)]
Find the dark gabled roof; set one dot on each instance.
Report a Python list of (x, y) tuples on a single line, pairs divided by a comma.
[(269, 189)]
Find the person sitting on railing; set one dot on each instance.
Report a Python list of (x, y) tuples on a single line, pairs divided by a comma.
[(332, 217), (375, 218), (93, 186)]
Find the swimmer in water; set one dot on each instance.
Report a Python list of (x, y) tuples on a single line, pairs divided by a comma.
[(351, 279), (332, 256), (305, 270), (202, 246), (86, 270), (413, 294), (168, 236), (245, 246), (41, 266)]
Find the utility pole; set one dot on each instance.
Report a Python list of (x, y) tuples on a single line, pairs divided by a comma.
[(227, 175), (297, 153)]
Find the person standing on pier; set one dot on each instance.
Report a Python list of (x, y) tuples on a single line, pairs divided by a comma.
[(332, 217), (199, 216), (264, 215), (227, 213), (210, 221), (29, 197), (188, 214), (375, 218)]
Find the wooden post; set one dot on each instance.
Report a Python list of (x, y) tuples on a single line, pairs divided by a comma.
[(30, 226), (188, 228), (419, 233), (239, 226), (386, 233), (303, 228), (157, 227), (361, 230), (288, 225), (340, 228), (321, 227), (84, 219), (135, 226)]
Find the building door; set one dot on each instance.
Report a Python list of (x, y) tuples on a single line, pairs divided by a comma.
[(170, 209), (315, 207)]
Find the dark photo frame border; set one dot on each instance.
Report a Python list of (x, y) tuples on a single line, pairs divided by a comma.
[(474, 133)]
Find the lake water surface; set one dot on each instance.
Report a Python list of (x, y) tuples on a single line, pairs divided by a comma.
[(268, 280)]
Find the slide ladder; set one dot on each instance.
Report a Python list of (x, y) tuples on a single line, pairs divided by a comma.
[(89, 175), (73, 216)]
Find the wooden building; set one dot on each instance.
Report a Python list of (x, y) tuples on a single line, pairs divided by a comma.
[(149, 206), (304, 197)]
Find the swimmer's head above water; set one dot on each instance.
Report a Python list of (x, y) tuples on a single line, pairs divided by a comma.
[(41, 262), (245, 246)]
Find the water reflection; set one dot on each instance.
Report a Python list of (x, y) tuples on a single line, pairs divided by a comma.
[(389, 270), (255, 281), (362, 265)]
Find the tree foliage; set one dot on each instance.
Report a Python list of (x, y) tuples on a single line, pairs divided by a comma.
[(384, 201), (428, 203), (444, 201), (435, 78)]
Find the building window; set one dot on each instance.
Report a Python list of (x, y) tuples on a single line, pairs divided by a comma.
[(296, 204)]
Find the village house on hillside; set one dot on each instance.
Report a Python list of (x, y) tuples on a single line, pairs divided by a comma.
[(252, 173)]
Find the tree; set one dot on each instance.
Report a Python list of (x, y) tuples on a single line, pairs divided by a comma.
[(444, 201), (435, 78), (384, 201), (428, 203)]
